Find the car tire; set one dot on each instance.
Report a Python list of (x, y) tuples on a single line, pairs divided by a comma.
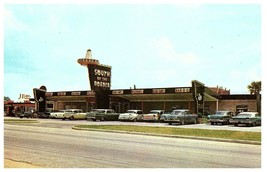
[(71, 118), (170, 123)]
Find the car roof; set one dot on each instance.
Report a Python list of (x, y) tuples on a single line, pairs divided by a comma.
[(223, 111), (156, 110), (180, 110), (102, 109)]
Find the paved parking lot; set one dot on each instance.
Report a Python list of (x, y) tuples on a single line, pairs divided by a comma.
[(58, 123)]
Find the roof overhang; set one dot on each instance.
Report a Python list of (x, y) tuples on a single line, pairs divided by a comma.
[(162, 97), (68, 98)]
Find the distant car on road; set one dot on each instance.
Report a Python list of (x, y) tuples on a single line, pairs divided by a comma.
[(248, 118), (181, 116), (221, 117), (102, 115), (153, 115), (131, 115), (72, 114)]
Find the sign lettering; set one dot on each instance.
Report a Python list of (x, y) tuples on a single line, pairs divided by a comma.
[(117, 92), (182, 90), (158, 91), (137, 91)]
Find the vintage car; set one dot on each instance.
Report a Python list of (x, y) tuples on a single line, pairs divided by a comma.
[(131, 115), (247, 118), (153, 115), (164, 115), (57, 114), (102, 115), (181, 116), (27, 114), (221, 117), (72, 114)]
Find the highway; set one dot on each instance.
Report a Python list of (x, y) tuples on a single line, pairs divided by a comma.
[(66, 148)]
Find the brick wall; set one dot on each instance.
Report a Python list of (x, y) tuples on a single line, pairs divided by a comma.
[(231, 104)]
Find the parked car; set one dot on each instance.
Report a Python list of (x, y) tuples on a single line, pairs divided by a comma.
[(102, 115), (181, 116), (27, 114), (222, 117), (153, 115), (248, 118), (164, 115), (131, 115), (72, 114), (57, 114)]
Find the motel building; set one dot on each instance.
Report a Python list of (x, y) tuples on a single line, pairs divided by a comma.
[(196, 97)]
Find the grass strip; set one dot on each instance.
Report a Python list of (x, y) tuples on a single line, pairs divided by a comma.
[(224, 134), (20, 121)]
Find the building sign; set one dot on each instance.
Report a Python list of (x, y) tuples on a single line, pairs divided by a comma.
[(116, 92), (182, 90), (61, 93), (48, 94), (75, 93), (137, 91), (99, 76), (90, 93), (158, 91)]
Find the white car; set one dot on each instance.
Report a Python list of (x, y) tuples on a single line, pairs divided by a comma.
[(74, 114), (153, 115), (58, 115), (131, 115)]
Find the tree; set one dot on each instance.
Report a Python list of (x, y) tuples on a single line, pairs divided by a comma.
[(6, 98), (255, 89)]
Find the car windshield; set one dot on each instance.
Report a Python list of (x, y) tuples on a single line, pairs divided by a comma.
[(131, 111), (245, 114), (98, 110), (157, 112), (219, 113), (177, 112)]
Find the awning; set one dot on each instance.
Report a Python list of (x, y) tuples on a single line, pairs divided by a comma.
[(162, 97)]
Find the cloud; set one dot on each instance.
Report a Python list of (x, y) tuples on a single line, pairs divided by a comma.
[(166, 50), (11, 22)]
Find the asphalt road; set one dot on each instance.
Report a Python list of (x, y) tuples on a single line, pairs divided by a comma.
[(67, 148)]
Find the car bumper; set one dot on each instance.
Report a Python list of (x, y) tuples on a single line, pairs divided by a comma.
[(149, 119), (218, 120), (126, 118), (91, 118), (241, 122), (172, 121)]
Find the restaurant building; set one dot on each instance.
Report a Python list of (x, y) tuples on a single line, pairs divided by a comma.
[(197, 97)]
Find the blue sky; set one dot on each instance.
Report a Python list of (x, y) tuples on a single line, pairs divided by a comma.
[(149, 45)]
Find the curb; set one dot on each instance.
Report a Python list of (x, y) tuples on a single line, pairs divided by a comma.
[(172, 136)]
